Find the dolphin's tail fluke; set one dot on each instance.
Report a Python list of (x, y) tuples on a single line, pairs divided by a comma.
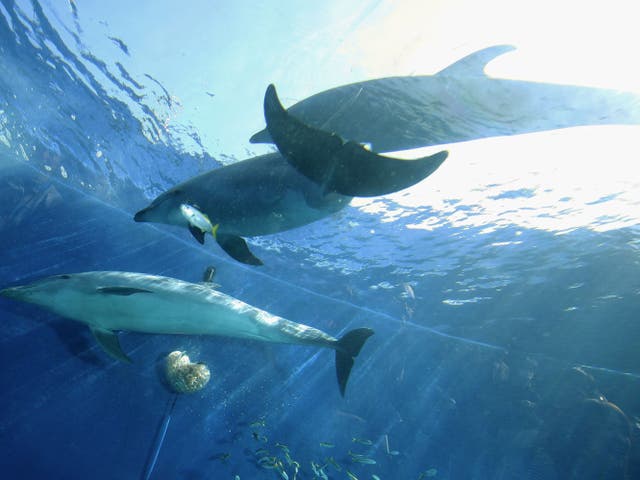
[(337, 165), (347, 350)]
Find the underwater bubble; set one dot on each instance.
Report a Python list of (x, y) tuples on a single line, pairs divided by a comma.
[(185, 376)]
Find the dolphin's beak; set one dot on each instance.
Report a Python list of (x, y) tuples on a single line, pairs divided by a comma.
[(12, 292), (141, 215)]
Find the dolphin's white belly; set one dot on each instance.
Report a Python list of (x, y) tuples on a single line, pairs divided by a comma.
[(182, 308), (158, 315), (153, 313), (136, 302)]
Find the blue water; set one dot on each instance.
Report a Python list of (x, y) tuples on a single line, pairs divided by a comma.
[(505, 308)]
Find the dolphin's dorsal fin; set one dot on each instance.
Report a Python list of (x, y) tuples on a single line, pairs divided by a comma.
[(209, 274), (109, 343), (475, 63)]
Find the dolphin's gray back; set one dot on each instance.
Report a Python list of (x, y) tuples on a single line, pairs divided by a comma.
[(458, 104)]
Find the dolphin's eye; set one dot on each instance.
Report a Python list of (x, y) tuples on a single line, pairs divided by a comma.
[(64, 277)]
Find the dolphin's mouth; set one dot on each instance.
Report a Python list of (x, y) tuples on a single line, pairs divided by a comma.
[(140, 216), (12, 292)]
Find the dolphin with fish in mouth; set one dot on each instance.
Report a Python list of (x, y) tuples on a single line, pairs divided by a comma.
[(315, 174), (110, 301)]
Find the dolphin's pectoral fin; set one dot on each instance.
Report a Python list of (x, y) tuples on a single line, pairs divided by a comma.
[(109, 343), (237, 248), (123, 291), (337, 166), (474, 63), (197, 234), (348, 348)]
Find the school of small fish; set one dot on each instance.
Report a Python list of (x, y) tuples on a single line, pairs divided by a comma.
[(277, 457)]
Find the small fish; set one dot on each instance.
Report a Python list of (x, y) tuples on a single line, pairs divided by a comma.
[(288, 458), (375, 477), (362, 441), (260, 438), (408, 290), (199, 223), (282, 446), (258, 423), (393, 452), (327, 445), (284, 475), (262, 452), (317, 470), (268, 462), (351, 475), (355, 455), (365, 460), (332, 461)]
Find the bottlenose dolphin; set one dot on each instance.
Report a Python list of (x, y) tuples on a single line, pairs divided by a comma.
[(316, 174), (111, 301), (258, 196), (457, 104)]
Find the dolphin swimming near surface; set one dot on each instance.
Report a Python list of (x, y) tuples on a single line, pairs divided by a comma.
[(317, 174), (110, 301), (457, 104)]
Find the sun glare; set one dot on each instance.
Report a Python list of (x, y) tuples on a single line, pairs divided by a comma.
[(557, 181), (583, 177)]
